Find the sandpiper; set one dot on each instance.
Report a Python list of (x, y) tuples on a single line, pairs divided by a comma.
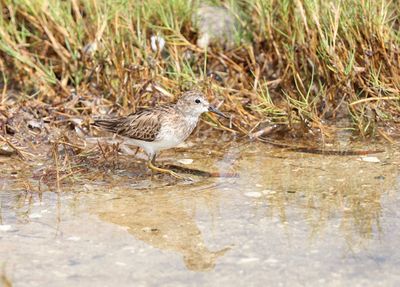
[(161, 127)]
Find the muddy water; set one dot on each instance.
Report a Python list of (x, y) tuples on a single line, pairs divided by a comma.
[(289, 219)]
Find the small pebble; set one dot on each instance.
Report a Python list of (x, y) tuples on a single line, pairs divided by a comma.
[(186, 161), (131, 249), (254, 194), (5, 227), (146, 229), (370, 159), (248, 260), (74, 238), (268, 191), (271, 260)]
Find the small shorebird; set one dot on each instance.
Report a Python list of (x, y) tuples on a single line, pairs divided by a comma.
[(162, 127)]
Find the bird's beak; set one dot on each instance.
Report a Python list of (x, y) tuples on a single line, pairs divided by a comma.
[(216, 111)]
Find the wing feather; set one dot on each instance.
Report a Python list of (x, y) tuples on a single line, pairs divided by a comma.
[(143, 125)]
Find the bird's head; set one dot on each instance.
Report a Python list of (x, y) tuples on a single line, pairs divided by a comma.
[(194, 103)]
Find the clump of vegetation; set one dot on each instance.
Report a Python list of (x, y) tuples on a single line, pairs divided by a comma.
[(309, 65)]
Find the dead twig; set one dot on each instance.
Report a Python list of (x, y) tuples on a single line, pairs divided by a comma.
[(17, 151), (55, 157)]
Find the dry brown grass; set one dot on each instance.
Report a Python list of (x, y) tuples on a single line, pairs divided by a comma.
[(309, 65)]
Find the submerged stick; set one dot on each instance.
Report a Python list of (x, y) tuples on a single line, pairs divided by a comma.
[(316, 150), (201, 173)]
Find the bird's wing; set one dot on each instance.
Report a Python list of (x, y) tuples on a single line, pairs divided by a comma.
[(143, 125)]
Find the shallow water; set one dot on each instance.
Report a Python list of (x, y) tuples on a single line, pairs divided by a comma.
[(289, 219)]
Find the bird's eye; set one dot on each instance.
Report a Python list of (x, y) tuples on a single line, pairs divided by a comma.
[(197, 101)]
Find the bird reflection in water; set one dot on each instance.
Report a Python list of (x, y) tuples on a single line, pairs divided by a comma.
[(161, 220)]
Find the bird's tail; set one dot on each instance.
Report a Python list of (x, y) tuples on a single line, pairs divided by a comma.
[(110, 125)]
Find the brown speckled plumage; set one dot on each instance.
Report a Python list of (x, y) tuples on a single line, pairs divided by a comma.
[(143, 125), (161, 127)]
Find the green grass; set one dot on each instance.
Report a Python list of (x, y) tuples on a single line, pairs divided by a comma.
[(324, 59)]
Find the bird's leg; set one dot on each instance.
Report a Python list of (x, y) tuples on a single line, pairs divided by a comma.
[(153, 167)]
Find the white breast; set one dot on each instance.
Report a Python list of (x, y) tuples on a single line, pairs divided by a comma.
[(172, 135)]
